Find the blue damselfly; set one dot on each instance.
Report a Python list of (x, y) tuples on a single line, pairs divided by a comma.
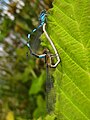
[(47, 56)]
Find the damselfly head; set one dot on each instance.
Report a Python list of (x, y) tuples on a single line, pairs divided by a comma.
[(42, 16), (43, 12)]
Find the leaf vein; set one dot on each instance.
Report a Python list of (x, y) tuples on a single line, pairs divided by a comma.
[(75, 106)]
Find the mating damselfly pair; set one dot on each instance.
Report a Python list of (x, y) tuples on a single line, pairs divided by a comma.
[(47, 56)]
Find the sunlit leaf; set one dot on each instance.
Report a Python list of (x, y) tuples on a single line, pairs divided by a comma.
[(69, 29)]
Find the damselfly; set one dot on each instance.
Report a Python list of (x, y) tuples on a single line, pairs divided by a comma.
[(50, 91), (48, 61), (42, 20)]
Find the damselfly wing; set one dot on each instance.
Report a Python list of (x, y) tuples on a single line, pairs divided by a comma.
[(50, 91)]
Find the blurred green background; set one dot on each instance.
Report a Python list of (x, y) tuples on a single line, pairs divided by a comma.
[(22, 79)]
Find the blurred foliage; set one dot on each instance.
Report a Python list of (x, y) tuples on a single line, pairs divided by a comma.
[(22, 80)]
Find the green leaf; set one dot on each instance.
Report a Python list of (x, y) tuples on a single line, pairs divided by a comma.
[(40, 110), (37, 84), (69, 28)]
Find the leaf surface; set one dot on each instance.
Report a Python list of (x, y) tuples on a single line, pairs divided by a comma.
[(69, 28)]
